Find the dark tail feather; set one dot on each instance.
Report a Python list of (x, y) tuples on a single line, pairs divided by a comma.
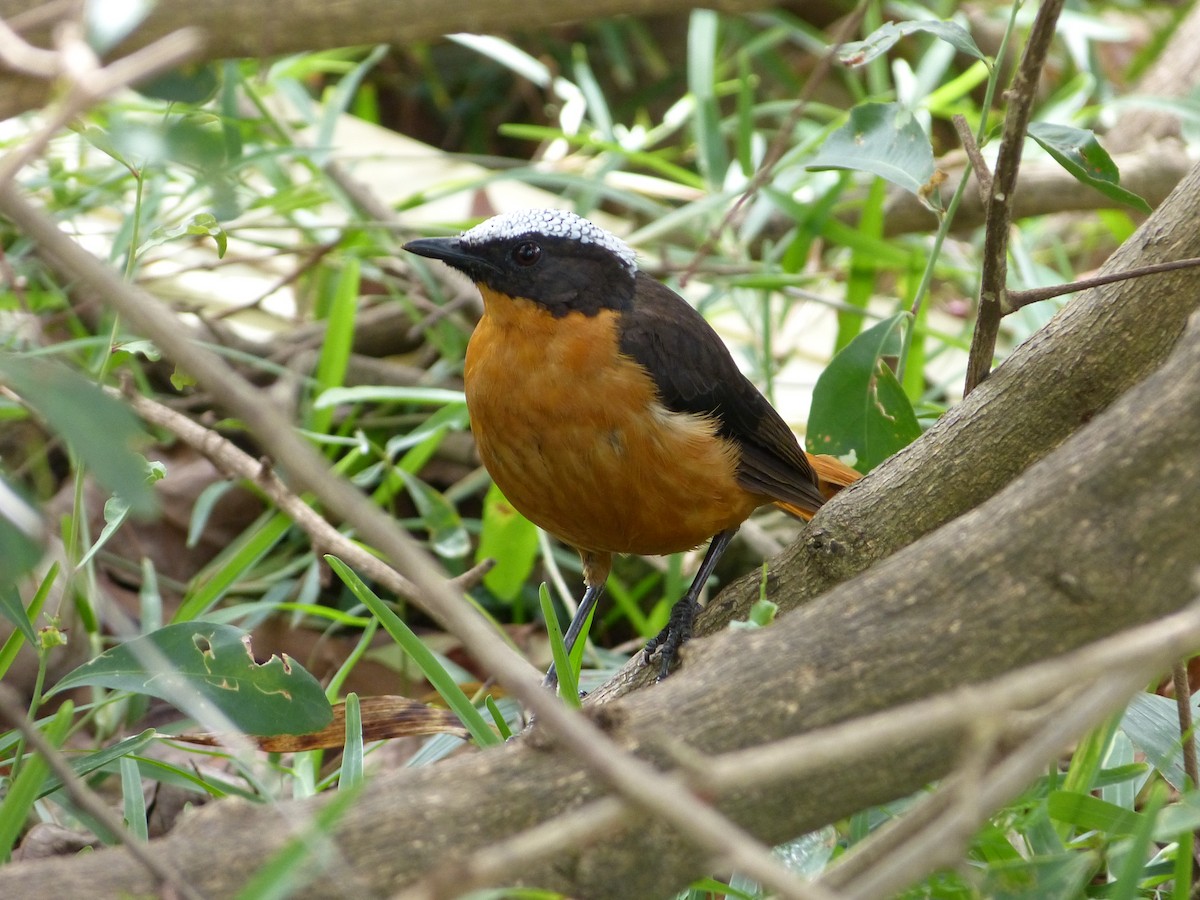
[(832, 476)]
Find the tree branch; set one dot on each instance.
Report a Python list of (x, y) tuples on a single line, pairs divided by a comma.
[(1004, 182), (265, 28)]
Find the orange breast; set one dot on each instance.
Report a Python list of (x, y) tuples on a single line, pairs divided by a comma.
[(575, 437)]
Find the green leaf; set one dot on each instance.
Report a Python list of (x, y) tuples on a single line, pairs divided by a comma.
[(79, 411), (1088, 813), (207, 224), (703, 28), (437, 675), (195, 83), (11, 609), (23, 789), (858, 405), (91, 762), (762, 614), (376, 393), (448, 536), (511, 540), (351, 776), (339, 338), (134, 799), (193, 663), (1078, 151), (21, 535), (1134, 868), (859, 53), (567, 671), (24, 619), (1058, 875), (1181, 816), (883, 139), (1152, 723)]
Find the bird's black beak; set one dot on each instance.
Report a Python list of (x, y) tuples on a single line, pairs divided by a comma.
[(449, 250)]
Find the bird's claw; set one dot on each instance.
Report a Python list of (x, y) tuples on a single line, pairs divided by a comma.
[(668, 641)]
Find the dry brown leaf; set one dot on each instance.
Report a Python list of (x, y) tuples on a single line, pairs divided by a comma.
[(382, 718)]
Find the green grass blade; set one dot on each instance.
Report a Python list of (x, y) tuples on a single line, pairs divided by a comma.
[(568, 675), (497, 718), (352, 756), (224, 571), (134, 799), (13, 645), (24, 788), (441, 680)]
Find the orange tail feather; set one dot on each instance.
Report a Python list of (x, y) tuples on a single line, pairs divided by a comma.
[(832, 476)]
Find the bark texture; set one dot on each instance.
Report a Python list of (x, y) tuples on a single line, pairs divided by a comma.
[(234, 28)]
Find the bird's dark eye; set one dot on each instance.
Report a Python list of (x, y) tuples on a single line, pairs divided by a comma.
[(526, 253)]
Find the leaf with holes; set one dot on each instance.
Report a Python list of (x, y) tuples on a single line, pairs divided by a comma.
[(194, 665), (858, 405)]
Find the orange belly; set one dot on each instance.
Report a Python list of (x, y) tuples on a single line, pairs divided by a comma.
[(582, 447)]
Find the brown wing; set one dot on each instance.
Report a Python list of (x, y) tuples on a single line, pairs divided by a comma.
[(695, 373)]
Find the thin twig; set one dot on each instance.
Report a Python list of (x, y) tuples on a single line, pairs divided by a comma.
[(17, 54), (87, 799), (944, 841), (233, 462), (1042, 691), (983, 175), (1017, 299), (88, 86), (950, 714), (1183, 700), (999, 201)]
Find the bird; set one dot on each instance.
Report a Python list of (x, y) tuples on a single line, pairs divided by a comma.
[(610, 413)]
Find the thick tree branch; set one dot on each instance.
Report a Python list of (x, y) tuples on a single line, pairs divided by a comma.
[(234, 28)]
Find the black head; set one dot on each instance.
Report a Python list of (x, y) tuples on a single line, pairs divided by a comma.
[(552, 257)]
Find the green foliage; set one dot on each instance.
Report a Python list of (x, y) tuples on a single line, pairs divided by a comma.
[(192, 663), (1078, 151), (883, 139), (79, 411), (442, 681), (859, 408)]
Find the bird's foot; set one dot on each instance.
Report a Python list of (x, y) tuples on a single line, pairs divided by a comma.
[(668, 641)]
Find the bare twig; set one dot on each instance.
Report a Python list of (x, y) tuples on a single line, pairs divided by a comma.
[(1015, 300), (87, 799), (88, 85), (983, 176), (24, 57), (944, 841), (1004, 182), (1183, 700), (234, 462)]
